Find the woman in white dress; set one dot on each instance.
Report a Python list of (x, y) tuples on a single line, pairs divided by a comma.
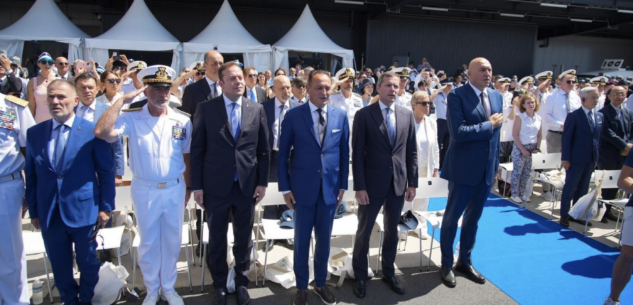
[(428, 149)]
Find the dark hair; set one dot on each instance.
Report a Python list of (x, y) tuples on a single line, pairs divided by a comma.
[(104, 77), (226, 66), (282, 69), (248, 68), (607, 101), (315, 72), (85, 76), (298, 81)]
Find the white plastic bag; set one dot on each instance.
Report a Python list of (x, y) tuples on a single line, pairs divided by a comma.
[(587, 207), (230, 280), (111, 280)]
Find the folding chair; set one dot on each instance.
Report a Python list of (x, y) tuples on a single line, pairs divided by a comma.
[(34, 244), (611, 182), (505, 170), (548, 161), (348, 224), (110, 238)]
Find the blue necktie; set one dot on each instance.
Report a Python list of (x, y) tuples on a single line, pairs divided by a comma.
[(253, 97), (591, 122), (60, 144), (235, 127), (391, 128)]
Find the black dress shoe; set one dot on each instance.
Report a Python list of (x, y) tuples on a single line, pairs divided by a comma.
[(448, 277), (564, 221), (301, 298), (242, 295), (198, 250), (604, 220), (360, 290), (393, 283), (326, 296), (269, 245), (470, 273), (85, 303), (220, 296), (287, 243), (610, 216), (582, 222)]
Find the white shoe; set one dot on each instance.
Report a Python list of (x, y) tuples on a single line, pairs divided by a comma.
[(526, 199), (609, 301), (172, 299), (150, 300), (516, 199), (548, 196)]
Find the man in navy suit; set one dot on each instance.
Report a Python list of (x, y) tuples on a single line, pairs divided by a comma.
[(579, 152), (252, 91), (470, 165), (69, 188), (230, 158), (318, 135), (276, 109), (384, 162)]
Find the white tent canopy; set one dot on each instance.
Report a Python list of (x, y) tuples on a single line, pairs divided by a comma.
[(307, 36), (226, 34), (138, 30), (43, 21)]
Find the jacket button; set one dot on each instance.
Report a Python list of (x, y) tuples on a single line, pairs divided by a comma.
[(322, 155), (59, 177), (318, 171)]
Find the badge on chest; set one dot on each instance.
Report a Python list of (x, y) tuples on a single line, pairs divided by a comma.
[(178, 132), (7, 118)]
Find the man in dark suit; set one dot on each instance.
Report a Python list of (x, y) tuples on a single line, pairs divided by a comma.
[(316, 180), (470, 165), (615, 139), (579, 152), (252, 91), (206, 88), (385, 168), (200, 91), (69, 188), (230, 158), (276, 109), (9, 82)]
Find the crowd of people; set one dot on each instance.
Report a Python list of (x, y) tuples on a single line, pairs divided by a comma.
[(221, 132)]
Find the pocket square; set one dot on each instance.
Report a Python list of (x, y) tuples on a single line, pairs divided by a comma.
[(335, 130)]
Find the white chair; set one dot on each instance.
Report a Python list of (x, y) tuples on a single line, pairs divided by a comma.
[(545, 162), (348, 224), (34, 244), (110, 238), (505, 173), (611, 182)]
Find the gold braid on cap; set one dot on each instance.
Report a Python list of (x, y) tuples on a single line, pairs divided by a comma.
[(161, 76), (198, 66), (404, 73), (140, 66), (549, 75)]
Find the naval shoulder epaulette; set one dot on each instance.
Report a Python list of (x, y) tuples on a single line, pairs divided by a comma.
[(178, 110), (16, 100), (132, 109)]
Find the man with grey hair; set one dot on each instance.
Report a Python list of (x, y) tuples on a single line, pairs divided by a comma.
[(579, 147)]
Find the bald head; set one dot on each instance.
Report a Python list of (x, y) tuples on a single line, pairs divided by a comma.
[(281, 87), (480, 73), (212, 62)]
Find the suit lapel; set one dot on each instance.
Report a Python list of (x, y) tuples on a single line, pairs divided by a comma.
[(474, 99), (206, 90), (48, 128), (331, 115), (380, 120), (221, 108), (247, 115), (307, 117), (400, 124), (270, 113)]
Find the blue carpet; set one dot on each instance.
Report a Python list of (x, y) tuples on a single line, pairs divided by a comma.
[(537, 261)]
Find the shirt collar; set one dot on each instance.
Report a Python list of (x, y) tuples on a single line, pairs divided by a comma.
[(92, 106), (616, 108), (209, 81), (477, 91), (586, 110), (68, 123), (278, 103), (314, 108), (228, 102), (383, 106)]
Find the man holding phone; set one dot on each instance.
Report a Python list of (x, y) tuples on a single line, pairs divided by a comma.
[(9, 82), (69, 187)]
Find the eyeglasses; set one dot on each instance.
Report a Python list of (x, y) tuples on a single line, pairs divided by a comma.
[(424, 103), (252, 75), (46, 62), (300, 87), (200, 73), (571, 81), (62, 63), (113, 80), (619, 94)]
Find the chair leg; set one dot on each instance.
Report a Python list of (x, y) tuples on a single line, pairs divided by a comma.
[(379, 253), (118, 254), (257, 246), (204, 260), (189, 267), (420, 249), (133, 267), (428, 267), (265, 262), (48, 278), (255, 266)]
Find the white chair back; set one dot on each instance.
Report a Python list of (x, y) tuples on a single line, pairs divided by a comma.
[(33, 242), (273, 196), (610, 178), (431, 188), (546, 161), (110, 238), (123, 201), (350, 194)]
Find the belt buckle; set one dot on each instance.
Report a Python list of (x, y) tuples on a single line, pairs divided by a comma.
[(162, 185)]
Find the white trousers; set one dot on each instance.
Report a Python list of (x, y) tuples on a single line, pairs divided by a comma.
[(13, 285), (160, 214)]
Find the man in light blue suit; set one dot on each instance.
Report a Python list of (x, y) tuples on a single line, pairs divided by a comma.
[(317, 179), (69, 189), (471, 163)]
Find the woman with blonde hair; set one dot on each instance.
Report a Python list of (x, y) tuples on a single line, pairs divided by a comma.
[(527, 136)]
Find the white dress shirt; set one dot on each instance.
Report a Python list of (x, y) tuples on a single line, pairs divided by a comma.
[(87, 112), (53, 142), (315, 119), (277, 123), (392, 114), (555, 111), (211, 83)]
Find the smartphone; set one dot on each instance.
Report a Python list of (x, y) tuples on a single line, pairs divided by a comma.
[(115, 56), (88, 65)]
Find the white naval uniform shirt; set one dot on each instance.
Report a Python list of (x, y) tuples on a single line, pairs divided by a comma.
[(555, 111), (156, 144), (13, 135), (351, 104), (404, 101)]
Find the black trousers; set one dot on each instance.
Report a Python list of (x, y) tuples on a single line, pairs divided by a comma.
[(274, 211), (366, 218), (218, 209), (443, 138)]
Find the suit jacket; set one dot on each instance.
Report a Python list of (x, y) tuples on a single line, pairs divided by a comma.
[(194, 94), (269, 109), (314, 167), (612, 137), (376, 165), (578, 139), (117, 147), (473, 151), (11, 83), (261, 94), (81, 188), (215, 154)]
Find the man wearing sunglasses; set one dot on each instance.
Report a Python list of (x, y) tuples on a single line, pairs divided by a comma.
[(61, 63), (299, 90), (561, 102), (252, 91)]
